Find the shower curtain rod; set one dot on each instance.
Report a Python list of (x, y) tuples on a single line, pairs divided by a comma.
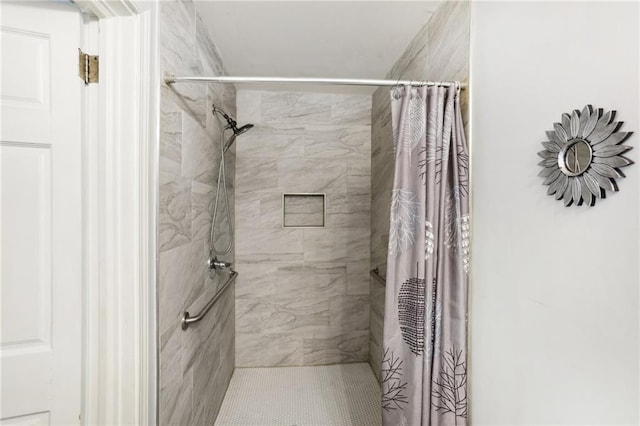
[(311, 80)]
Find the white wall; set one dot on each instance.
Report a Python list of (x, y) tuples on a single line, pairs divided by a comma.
[(554, 304)]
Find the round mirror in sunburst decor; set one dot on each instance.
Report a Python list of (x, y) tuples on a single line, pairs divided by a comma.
[(583, 156)]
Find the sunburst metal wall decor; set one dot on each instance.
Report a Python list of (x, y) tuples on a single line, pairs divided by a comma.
[(583, 156)]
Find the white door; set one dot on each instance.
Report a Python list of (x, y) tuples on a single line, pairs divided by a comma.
[(40, 214)]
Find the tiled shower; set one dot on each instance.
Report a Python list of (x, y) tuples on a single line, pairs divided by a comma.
[(308, 192)]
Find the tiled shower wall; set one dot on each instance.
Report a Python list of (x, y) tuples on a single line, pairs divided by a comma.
[(196, 364), (439, 52), (302, 296)]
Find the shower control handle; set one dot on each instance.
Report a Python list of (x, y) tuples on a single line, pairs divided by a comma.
[(215, 263)]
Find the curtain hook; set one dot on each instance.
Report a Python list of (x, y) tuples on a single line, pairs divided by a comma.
[(458, 87), (396, 90), (396, 93)]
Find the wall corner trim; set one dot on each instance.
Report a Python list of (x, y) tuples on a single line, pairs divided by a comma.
[(120, 175)]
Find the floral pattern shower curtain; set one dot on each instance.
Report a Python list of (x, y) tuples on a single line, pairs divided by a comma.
[(424, 368)]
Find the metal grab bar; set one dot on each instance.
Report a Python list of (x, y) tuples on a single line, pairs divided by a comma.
[(187, 319), (375, 273)]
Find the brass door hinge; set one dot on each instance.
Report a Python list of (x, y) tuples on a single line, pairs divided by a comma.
[(88, 67)]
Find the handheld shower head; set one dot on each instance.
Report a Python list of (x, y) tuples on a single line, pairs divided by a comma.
[(232, 125), (236, 132), (243, 129)]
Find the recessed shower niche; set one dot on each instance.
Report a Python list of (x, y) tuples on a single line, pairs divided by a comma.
[(303, 210)]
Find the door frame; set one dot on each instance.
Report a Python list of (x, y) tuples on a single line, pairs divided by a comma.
[(120, 181)]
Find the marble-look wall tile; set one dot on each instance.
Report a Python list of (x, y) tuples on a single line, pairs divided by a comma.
[(269, 241), (271, 209), (248, 211), (319, 280), (176, 403), (303, 300), (321, 175), (222, 96), (249, 105), (170, 142), (255, 175), (222, 237), (180, 280), (351, 109), (273, 142), (197, 339), (359, 176), (259, 209), (209, 61), (178, 21), (325, 245), (331, 347), (211, 349), (191, 99), (358, 243), (357, 278), (201, 209), (338, 142), (338, 211), (296, 108), (171, 374), (377, 294), (360, 204), (178, 56), (380, 217), (257, 282), (199, 152), (174, 213), (375, 360), (281, 315), (350, 313), (195, 364), (268, 350), (376, 324)]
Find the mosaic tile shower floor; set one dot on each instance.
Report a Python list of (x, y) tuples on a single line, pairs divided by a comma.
[(331, 395)]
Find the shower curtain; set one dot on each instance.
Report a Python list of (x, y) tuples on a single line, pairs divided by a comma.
[(424, 367)]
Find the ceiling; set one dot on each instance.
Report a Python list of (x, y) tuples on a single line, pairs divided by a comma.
[(332, 39)]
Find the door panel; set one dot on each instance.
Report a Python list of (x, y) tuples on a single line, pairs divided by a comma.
[(26, 247), (26, 274), (40, 214), (25, 84)]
